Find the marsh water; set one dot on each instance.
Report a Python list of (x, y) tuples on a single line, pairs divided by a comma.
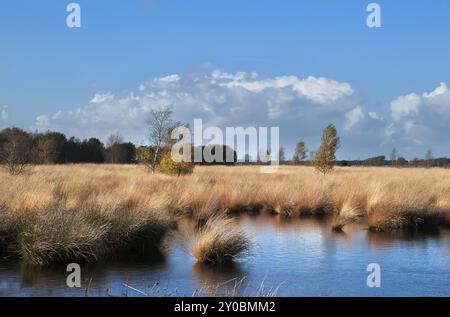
[(295, 257)]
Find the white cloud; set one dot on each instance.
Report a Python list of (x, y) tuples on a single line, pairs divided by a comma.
[(439, 91), (405, 106), (219, 98), (353, 117), (416, 106), (56, 115), (374, 115), (4, 113), (101, 98), (321, 91), (421, 119), (168, 79), (301, 107), (42, 121)]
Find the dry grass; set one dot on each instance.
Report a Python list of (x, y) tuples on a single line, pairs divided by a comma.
[(218, 241), (39, 209), (58, 235), (67, 215)]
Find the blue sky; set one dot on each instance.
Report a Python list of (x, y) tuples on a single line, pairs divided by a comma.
[(47, 69)]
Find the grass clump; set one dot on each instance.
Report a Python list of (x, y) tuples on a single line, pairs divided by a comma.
[(219, 241), (407, 219), (352, 210), (58, 235)]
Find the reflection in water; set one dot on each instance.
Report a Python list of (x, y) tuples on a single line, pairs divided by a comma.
[(35, 276), (303, 255), (413, 237), (214, 281)]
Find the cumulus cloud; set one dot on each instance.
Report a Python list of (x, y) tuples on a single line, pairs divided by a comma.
[(301, 107), (321, 91), (405, 106), (421, 120)]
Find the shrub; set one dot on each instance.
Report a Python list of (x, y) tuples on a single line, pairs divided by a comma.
[(169, 166), (144, 156)]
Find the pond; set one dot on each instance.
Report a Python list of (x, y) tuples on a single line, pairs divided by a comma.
[(294, 257)]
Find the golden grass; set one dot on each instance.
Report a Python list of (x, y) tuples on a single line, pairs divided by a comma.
[(218, 241), (120, 196), (58, 235)]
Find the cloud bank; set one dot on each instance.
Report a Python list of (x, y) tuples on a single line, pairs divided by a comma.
[(301, 107), (421, 120)]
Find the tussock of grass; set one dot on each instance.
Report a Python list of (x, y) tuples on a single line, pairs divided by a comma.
[(351, 211), (218, 241), (61, 235)]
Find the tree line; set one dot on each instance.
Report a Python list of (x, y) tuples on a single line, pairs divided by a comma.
[(19, 148), (55, 148), (324, 158)]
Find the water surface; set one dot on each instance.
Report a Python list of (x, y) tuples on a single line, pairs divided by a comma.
[(295, 257)]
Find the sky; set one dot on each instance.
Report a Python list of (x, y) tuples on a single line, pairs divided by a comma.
[(296, 64)]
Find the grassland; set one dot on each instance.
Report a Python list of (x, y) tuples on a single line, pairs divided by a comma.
[(83, 212)]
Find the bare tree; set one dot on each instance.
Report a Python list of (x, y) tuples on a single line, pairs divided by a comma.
[(160, 124), (16, 151), (429, 158), (113, 146)]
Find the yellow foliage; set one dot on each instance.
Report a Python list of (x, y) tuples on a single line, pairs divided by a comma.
[(169, 166)]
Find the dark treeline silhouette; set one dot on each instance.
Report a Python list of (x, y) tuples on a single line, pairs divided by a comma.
[(375, 161), (54, 148), (228, 157), (18, 147), (400, 162)]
